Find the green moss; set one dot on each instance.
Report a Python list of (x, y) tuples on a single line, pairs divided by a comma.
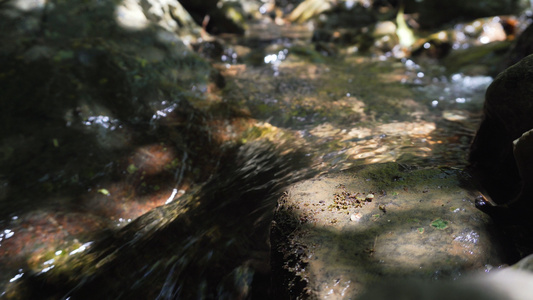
[(254, 133), (306, 53), (173, 164), (385, 173), (439, 224), (132, 169), (394, 178)]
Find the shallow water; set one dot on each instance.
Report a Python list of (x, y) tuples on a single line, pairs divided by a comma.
[(359, 110), (77, 184)]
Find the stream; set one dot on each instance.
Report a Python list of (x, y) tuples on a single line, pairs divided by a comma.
[(167, 190)]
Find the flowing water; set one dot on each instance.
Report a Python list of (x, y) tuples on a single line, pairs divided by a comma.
[(203, 167)]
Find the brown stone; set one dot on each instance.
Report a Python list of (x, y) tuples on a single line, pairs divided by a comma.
[(336, 234)]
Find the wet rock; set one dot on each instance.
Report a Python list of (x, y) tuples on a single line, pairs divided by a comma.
[(471, 46), (227, 18), (522, 48), (338, 233), (479, 60), (130, 15), (384, 28), (509, 283), (522, 150), (138, 15), (210, 49), (507, 115), (345, 16), (436, 13)]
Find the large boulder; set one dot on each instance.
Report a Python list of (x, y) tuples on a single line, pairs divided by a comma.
[(507, 115)]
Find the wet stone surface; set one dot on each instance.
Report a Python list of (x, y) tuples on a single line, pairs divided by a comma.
[(115, 123), (336, 234)]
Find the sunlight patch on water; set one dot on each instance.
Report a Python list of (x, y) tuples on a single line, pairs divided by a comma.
[(95, 119), (49, 265), (6, 234), (374, 144), (457, 90), (165, 111), (81, 248), (407, 128), (17, 277), (175, 194), (103, 121), (276, 59), (122, 222)]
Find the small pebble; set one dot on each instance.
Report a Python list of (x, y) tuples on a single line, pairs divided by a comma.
[(356, 217)]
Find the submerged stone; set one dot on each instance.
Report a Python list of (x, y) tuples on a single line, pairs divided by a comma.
[(332, 239)]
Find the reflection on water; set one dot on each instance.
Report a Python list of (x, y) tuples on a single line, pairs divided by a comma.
[(172, 198), (457, 91), (211, 243), (339, 117), (336, 114), (364, 111)]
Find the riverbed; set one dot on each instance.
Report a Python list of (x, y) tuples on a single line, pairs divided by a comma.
[(92, 168)]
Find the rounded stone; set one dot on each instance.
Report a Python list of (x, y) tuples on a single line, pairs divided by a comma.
[(507, 115), (422, 223)]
